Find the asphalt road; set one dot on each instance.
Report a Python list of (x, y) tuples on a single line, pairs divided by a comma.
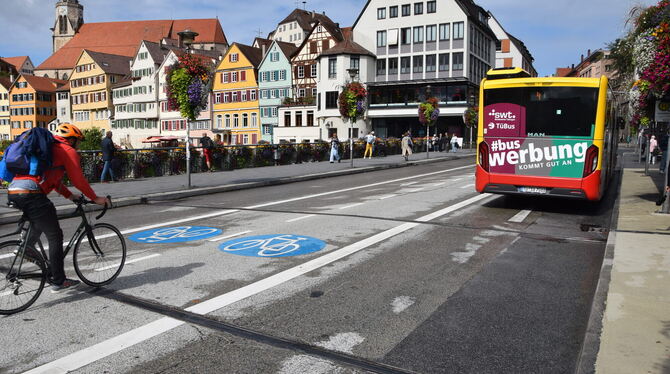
[(418, 273)]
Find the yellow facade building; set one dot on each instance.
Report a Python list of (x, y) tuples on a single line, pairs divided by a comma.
[(91, 83), (5, 84), (235, 93)]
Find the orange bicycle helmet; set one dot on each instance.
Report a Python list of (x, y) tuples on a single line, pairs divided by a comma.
[(67, 130)]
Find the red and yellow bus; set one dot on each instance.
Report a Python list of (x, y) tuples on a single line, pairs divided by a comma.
[(545, 136)]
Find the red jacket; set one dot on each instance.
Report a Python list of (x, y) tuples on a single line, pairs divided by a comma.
[(65, 160)]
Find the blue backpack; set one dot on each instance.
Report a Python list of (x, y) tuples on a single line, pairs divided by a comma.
[(30, 154)]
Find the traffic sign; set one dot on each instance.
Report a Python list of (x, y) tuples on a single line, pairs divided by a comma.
[(273, 245), (175, 234)]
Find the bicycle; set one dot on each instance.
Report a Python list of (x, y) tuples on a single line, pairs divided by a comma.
[(99, 253), (267, 249)]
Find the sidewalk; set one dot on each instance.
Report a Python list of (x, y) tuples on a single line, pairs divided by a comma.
[(137, 191), (635, 280)]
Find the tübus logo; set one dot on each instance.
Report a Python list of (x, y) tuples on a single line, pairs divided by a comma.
[(501, 116)]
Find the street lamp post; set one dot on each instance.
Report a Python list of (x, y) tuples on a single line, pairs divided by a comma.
[(188, 37), (429, 91), (352, 73)]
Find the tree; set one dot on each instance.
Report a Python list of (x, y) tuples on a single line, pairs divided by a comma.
[(92, 139)]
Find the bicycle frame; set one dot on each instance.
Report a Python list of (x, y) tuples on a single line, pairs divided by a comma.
[(26, 230)]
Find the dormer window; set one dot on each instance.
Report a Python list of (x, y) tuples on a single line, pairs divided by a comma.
[(234, 57)]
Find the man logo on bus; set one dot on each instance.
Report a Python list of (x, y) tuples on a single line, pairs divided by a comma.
[(502, 116)]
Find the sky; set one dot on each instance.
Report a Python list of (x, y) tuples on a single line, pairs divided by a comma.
[(557, 32)]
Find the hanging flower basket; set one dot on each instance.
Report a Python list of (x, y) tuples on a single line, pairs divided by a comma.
[(471, 116), (429, 112), (189, 81), (352, 101)]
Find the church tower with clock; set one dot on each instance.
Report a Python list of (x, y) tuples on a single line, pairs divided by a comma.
[(69, 18)]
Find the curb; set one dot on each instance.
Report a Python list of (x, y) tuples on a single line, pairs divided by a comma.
[(7, 218), (588, 355)]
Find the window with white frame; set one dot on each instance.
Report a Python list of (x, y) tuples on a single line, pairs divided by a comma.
[(458, 30), (301, 72), (219, 121), (254, 120), (445, 31), (227, 121), (245, 120), (381, 39), (314, 71), (332, 68), (234, 57)]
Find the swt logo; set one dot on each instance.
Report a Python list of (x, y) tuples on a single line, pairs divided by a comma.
[(502, 116)]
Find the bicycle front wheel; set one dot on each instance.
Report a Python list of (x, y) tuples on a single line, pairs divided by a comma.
[(99, 261), (19, 289)]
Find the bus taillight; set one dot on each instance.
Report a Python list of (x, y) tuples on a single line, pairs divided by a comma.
[(484, 156), (591, 160)]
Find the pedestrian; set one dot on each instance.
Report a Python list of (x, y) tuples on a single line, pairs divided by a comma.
[(454, 143), (108, 150), (334, 149), (369, 144), (653, 145), (217, 140), (207, 146), (444, 141), (406, 144)]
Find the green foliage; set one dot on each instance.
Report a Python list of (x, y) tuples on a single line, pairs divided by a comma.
[(180, 80), (92, 139), (621, 51), (4, 144)]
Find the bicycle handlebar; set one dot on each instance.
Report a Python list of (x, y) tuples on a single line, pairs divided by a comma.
[(84, 201)]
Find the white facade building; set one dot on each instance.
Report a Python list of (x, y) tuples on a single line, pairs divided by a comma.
[(444, 44), (336, 67), (297, 26), (510, 51), (63, 107)]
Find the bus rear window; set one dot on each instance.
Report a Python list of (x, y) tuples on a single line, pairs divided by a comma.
[(551, 111)]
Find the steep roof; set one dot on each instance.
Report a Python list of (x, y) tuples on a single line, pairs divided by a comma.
[(262, 42), (122, 38), (16, 61), (289, 49), (111, 64), (305, 19), (347, 46), (521, 46), (255, 55), (43, 84), (64, 88), (5, 82)]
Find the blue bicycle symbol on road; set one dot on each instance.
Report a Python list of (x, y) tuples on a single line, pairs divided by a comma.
[(175, 234), (273, 245)]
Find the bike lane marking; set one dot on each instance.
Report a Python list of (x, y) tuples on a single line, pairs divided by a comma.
[(229, 236), (129, 262), (274, 245), (118, 343), (520, 217), (175, 234)]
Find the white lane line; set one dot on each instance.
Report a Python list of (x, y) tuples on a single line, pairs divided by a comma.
[(468, 186), (229, 236), (108, 347), (520, 217), (300, 218), (350, 206), (439, 184), (456, 180), (408, 184), (412, 190), (387, 196), (354, 188), (129, 262), (7, 256)]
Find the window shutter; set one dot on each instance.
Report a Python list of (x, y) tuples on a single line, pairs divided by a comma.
[(254, 138), (248, 95), (295, 72), (243, 76)]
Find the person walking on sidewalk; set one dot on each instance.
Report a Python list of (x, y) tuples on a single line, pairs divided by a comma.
[(29, 193), (369, 144), (653, 144), (334, 149), (406, 144), (108, 150), (207, 147)]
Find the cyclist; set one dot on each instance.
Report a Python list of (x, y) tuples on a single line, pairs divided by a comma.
[(29, 193)]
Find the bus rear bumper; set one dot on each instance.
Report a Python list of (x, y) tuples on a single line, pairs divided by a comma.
[(580, 188)]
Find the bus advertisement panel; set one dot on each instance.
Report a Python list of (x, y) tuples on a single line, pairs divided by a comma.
[(544, 134)]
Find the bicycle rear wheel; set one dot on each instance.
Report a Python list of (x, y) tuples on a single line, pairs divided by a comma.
[(19, 290), (98, 264)]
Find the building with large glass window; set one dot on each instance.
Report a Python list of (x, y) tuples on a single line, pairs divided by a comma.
[(446, 45)]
